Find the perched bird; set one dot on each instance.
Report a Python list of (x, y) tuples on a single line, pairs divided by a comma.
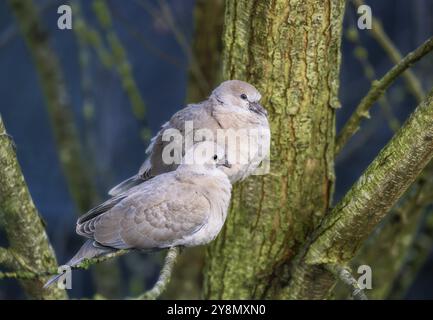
[(186, 207), (233, 106)]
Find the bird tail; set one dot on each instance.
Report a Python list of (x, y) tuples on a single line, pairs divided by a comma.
[(125, 185), (89, 250)]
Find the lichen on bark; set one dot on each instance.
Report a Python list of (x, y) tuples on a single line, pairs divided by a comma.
[(345, 229), (377, 190), (290, 50), (24, 228)]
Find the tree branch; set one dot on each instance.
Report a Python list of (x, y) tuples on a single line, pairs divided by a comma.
[(6, 258), (120, 59), (166, 15), (346, 227), (23, 225), (376, 91), (377, 190), (344, 274), (164, 276), (393, 244), (394, 54), (415, 258), (361, 54), (28, 274)]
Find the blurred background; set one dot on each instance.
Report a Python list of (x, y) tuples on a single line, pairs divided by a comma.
[(125, 68)]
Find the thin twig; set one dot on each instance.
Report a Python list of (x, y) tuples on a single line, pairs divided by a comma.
[(83, 265), (138, 36), (343, 231), (164, 276), (379, 34), (377, 190), (167, 16), (344, 274), (361, 54), (120, 59), (377, 89)]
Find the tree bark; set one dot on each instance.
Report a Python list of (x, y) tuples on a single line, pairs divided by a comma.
[(392, 245), (290, 50), (345, 229), (30, 249)]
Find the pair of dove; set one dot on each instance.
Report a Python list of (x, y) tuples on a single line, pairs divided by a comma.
[(168, 205)]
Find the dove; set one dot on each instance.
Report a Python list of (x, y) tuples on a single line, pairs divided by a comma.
[(233, 106), (186, 207)]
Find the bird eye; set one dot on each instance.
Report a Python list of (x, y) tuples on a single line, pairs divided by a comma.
[(244, 96), (215, 157)]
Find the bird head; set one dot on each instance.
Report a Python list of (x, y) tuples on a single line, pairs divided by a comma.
[(239, 94), (205, 155)]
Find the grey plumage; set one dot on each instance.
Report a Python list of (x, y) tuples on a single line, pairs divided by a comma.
[(185, 207), (233, 105)]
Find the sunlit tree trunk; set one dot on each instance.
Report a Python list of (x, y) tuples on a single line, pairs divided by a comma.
[(290, 50)]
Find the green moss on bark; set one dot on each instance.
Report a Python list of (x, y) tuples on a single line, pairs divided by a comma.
[(345, 229), (23, 226), (290, 50)]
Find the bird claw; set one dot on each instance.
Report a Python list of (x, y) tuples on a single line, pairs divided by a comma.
[(11, 139)]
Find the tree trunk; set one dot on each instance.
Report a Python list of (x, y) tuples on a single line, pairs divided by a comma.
[(290, 50)]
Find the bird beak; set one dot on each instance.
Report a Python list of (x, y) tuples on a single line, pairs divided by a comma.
[(257, 108), (227, 164), (224, 164)]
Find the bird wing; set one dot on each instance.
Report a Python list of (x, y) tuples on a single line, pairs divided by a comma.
[(198, 114), (201, 117), (153, 215)]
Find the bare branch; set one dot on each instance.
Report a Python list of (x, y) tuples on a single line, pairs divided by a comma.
[(361, 54), (166, 14), (120, 59), (344, 274), (395, 244), (377, 190), (51, 272), (346, 227), (23, 226), (164, 276), (394, 54), (376, 91), (415, 259)]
